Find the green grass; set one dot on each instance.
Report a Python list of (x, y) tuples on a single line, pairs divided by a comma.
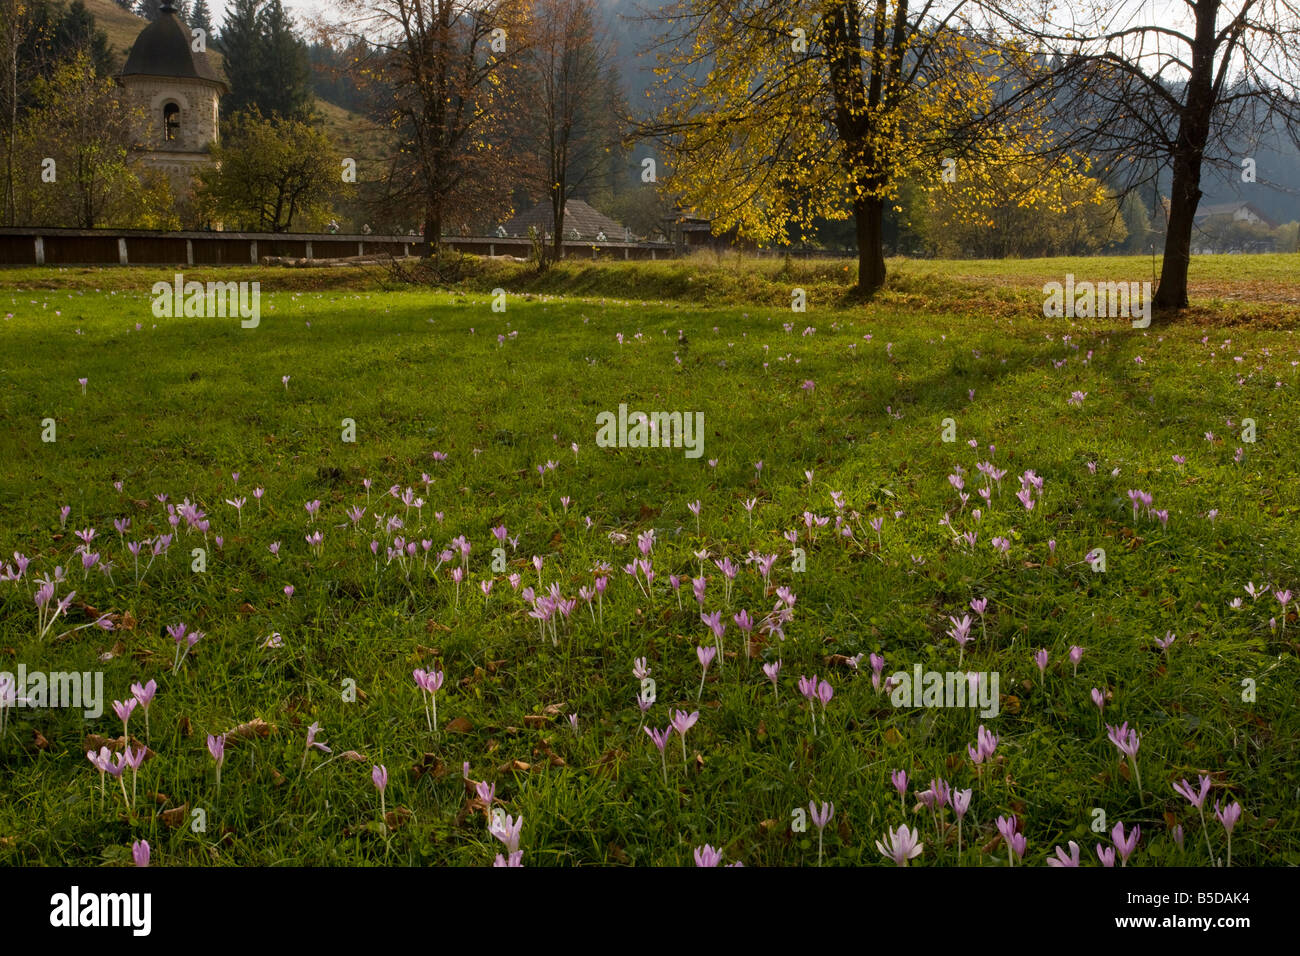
[(178, 405)]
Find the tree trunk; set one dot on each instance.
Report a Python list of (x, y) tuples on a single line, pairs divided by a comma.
[(1189, 149), (868, 220), (1171, 293), (432, 228), (557, 217)]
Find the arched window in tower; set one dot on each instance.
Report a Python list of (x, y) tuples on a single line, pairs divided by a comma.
[(171, 122)]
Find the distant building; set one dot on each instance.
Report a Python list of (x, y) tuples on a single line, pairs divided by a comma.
[(581, 224), (689, 229), (1237, 211), (178, 90)]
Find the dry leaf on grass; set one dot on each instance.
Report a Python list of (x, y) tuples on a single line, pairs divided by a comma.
[(176, 816), (256, 727)]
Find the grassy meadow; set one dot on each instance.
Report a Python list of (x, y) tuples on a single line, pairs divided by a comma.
[(1083, 435)]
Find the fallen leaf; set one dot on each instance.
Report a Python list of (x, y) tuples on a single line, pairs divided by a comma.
[(116, 650), (429, 763), (176, 816), (397, 817), (616, 852), (256, 727), (459, 726)]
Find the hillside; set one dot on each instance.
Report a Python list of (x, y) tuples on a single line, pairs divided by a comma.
[(123, 27), (356, 136)]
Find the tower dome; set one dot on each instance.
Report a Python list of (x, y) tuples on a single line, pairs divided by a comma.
[(165, 48), (176, 92)]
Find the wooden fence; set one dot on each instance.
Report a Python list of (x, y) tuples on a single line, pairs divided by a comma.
[(69, 247)]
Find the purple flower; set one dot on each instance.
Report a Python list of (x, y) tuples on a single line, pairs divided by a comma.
[(1228, 815), (773, 671), (144, 694), (707, 856), (123, 710), (1126, 740), (901, 845), (1196, 799), (660, 737), (1125, 844), (1062, 860), (312, 731), (506, 829), (899, 779), (140, 852)]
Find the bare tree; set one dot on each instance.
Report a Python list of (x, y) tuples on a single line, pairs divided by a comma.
[(442, 71), (1147, 93), (567, 62)]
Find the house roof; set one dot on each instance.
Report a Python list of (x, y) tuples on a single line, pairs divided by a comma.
[(577, 215), (164, 48), (1231, 208)]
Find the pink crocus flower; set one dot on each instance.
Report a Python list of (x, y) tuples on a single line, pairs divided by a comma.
[(821, 817), (901, 845), (1228, 816), (1125, 844), (506, 829), (1061, 859), (682, 722), (773, 671), (706, 856), (705, 655)]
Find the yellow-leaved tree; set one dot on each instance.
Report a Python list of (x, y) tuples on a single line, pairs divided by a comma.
[(1020, 206), (778, 112)]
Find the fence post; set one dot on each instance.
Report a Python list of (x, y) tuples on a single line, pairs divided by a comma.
[(189, 252), (121, 252), (309, 255), (252, 252), (40, 250)]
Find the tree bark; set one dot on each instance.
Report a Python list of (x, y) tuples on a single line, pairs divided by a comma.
[(1189, 150), (557, 220), (868, 221), (1171, 292), (432, 228)]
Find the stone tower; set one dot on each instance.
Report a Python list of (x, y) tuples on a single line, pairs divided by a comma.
[(169, 78)]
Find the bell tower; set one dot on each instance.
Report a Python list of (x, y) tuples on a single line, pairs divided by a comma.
[(170, 80)]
